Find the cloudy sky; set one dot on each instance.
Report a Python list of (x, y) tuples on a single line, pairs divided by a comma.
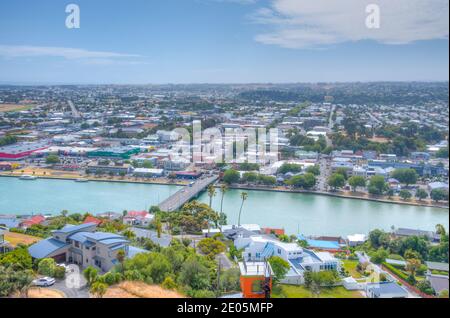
[(192, 41)]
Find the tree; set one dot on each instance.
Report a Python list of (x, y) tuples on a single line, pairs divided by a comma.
[(223, 190), (406, 176), (440, 229), (442, 153), (377, 185), (280, 268), (405, 195), (336, 180), (439, 195), (211, 247), (231, 176), (250, 177), (315, 170), (169, 283), (90, 274), (47, 267), (421, 194), (194, 274), (158, 226), (289, 167), (412, 265), (52, 159), (379, 256), (99, 289), (342, 171), (244, 196), (211, 194), (121, 257), (19, 258), (129, 234), (356, 181)]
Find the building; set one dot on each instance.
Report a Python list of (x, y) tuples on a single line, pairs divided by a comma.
[(403, 232), (4, 245), (148, 173), (34, 220), (139, 218), (256, 279), (333, 245), (124, 152), (439, 283), (82, 245), (21, 151), (385, 290), (91, 219), (356, 239), (109, 169), (260, 248)]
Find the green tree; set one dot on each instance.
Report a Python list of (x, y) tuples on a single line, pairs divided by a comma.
[(377, 185), (342, 171), (169, 283), (47, 267), (52, 159), (336, 181), (98, 289), (194, 274), (120, 256), (439, 195), (357, 181), (280, 268), (244, 196), (405, 194), (211, 247), (250, 177), (90, 274), (406, 176), (315, 170), (18, 258), (421, 194), (211, 194), (231, 176)]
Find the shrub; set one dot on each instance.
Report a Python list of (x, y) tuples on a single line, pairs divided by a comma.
[(47, 267), (60, 272), (169, 283)]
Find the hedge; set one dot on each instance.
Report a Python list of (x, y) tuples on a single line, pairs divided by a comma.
[(396, 271)]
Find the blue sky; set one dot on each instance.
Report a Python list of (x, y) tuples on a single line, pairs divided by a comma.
[(222, 41)]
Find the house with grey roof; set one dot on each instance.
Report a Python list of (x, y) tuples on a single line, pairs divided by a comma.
[(405, 232), (84, 246), (438, 282), (385, 290)]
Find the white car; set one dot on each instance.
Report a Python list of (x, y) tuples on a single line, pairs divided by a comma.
[(44, 282)]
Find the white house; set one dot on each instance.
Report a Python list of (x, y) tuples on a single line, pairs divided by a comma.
[(259, 248)]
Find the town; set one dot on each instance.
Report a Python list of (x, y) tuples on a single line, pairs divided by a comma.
[(378, 143)]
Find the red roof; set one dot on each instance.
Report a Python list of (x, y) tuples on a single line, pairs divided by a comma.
[(134, 214), (91, 219), (269, 231), (37, 219)]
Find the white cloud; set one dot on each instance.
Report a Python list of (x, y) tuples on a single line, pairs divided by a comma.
[(12, 51), (318, 23)]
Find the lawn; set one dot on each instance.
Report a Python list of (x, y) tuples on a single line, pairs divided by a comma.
[(5, 108), (17, 238), (350, 266), (291, 291)]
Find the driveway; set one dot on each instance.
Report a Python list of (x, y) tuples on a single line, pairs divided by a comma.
[(71, 292)]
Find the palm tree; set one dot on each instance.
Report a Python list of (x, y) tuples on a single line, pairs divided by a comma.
[(211, 193), (244, 196), (121, 258), (223, 190)]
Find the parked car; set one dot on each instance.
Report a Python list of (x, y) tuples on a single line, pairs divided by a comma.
[(44, 282)]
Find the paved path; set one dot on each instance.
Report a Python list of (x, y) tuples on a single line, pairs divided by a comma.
[(177, 200)]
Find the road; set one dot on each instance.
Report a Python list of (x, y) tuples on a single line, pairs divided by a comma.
[(75, 112), (183, 196), (325, 172)]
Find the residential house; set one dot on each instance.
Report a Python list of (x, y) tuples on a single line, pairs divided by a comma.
[(438, 282), (34, 220), (404, 232), (4, 245), (139, 218), (385, 290), (82, 245), (260, 248), (91, 219)]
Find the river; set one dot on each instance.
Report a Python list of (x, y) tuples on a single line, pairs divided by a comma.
[(308, 214)]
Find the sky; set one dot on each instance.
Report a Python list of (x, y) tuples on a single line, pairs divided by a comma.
[(223, 41)]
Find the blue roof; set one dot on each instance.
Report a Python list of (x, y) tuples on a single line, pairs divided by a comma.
[(11, 222), (133, 251), (44, 248), (114, 241), (321, 244), (69, 228)]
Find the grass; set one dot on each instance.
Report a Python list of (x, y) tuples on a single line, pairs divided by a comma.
[(5, 108), (17, 238), (350, 267), (291, 291)]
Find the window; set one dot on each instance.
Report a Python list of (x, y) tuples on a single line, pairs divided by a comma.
[(279, 251), (258, 255), (77, 244)]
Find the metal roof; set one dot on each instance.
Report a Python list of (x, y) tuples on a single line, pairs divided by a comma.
[(46, 247)]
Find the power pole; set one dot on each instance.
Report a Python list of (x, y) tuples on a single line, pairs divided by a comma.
[(218, 280)]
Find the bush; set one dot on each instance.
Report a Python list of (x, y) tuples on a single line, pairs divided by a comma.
[(169, 283), (47, 267), (425, 287), (60, 272), (396, 271)]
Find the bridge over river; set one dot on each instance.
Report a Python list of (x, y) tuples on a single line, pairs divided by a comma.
[(181, 197)]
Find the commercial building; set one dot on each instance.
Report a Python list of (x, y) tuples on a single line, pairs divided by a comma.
[(21, 151), (124, 152)]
